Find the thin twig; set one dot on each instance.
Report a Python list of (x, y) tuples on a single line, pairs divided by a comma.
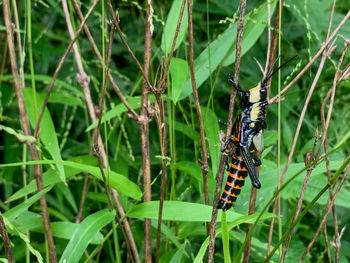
[(320, 51), (271, 60), (223, 158), (296, 136), (327, 210), (144, 126), (60, 64), (7, 242), (26, 129), (98, 54), (161, 87), (204, 162), (120, 33), (84, 80)]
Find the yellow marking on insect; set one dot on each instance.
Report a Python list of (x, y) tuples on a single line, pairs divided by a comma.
[(238, 167), (230, 194), (254, 94), (255, 89), (226, 200), (252, 125), (255, 112), (236, 186), (236, 176)]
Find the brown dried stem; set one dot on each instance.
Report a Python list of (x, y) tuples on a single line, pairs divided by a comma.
[(60, 64), (6, 239), (223, 158), (296, 136), (98, 54), (323, 221), (144, 126), (271, 59), (26, 129), (115, 19), (204, 161), (320, 51), (161, 86), (84, 81)]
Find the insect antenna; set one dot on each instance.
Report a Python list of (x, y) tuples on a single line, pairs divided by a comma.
[(285, 63)]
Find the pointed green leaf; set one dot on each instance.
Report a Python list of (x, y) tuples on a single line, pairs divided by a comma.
[(84, 233), (181, 211), (48, 134), (222, 50), (179, 73), (170, 27)]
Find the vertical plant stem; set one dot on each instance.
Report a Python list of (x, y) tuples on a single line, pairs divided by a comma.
[(204, 162), (223, 158), (19, 44), (161, 86), (26, 129), (279, 125), (7, 242), (225, 238), (144, 128)]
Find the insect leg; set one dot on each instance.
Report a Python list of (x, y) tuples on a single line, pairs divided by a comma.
[(250, 167)]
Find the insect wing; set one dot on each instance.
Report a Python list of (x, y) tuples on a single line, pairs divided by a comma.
[(258, 141)]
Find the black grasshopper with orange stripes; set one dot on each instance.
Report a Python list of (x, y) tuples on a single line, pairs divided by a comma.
[(247, 139)]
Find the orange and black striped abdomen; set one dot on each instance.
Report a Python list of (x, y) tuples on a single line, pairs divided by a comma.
[(234, 183)]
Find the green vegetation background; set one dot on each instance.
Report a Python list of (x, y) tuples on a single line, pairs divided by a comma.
[(66, 128)]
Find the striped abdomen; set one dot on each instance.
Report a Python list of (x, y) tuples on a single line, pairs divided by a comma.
[(235, 181)]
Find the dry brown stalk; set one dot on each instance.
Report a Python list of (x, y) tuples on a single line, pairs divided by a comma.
[(26, 129), (6, 239), (160, 114), (115, 19), (84, 80), (223, 158), (327, 210), (59, 66), (320, 51), (324, 133), (98, 54), (271, 59), (296, 136), (204, 161), (145, 118)]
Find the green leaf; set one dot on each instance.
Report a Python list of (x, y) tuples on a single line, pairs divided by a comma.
[(34, 222), (48, 134), (135, 103), (211, 128), (66, 230), (115, 180), (222, 50), (46, 80), (24, 237), (51, 177), (84, 233), (195, 171), (18, 209), (241, 220), (178, 255), (65, 99), (167, 232), (180, 211), (179, 73), (170, 27)]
